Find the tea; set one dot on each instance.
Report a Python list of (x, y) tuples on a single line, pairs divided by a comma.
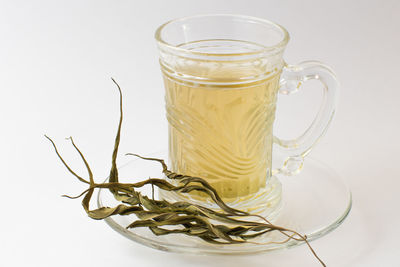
[(222, 132)]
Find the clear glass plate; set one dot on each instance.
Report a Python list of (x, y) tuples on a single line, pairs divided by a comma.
[(314, 202)]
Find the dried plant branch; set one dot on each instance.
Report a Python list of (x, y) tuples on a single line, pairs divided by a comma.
[(188, 218)]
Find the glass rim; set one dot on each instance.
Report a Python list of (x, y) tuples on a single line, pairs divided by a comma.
[(265, 49)]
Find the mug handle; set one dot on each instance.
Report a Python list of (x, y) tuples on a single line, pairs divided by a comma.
[(292, 77)]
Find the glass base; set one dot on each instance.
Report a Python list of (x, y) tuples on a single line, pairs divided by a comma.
[(313, 202)]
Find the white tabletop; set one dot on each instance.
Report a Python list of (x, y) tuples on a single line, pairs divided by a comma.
[(56, 60)]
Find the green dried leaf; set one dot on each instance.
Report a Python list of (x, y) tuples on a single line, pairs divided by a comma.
[(113, 178), (105, 212)]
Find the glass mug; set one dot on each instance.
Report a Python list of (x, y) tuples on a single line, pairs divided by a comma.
[(222, 74)]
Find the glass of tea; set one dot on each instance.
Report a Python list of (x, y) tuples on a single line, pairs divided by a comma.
[(222, 74)]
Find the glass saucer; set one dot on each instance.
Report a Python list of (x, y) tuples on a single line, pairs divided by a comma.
[(314, 202)]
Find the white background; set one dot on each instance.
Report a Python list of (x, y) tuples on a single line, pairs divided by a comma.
[(56, 60)]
